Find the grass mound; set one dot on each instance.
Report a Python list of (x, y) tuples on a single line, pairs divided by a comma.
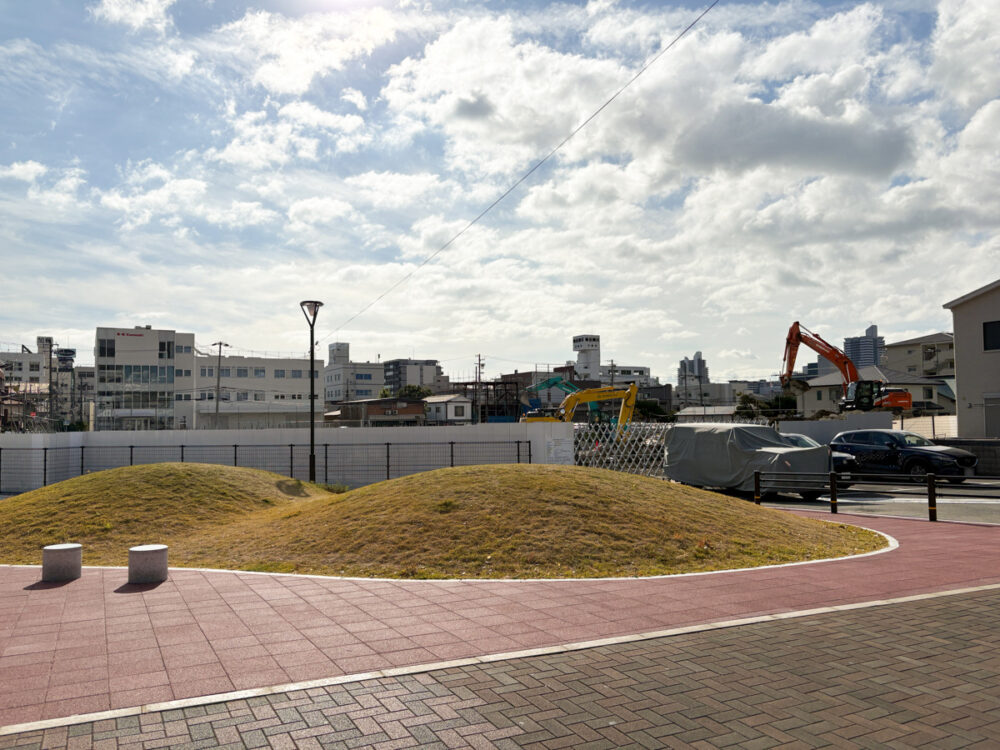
[(110, 511), (477, 521)]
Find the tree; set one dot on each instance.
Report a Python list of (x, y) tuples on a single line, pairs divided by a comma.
[(747, 408), (414, 392), (386, 392)]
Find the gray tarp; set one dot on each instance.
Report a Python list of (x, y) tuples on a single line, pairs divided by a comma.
[(726, 455)]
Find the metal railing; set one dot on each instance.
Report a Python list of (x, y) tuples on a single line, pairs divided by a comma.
[(840, 486), (355, 464)]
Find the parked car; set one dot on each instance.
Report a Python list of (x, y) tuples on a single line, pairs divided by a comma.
[(901, 452), (843, 463)]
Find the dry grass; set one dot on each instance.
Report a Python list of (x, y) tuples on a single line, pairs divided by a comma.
[(478, 521)]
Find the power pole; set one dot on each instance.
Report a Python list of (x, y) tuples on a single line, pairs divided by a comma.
[(218, 379), (612, 373), (479, 369)]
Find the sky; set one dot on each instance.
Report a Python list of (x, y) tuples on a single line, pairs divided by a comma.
[(204, 165)]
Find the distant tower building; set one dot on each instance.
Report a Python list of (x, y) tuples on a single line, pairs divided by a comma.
[(588, 356), (692, 371), (865, 350), (340, 353)]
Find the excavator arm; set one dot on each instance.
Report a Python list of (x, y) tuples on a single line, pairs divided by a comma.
[(799, 334), (567, 408)]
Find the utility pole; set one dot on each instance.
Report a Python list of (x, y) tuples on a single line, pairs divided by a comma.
[(479, 369), (218, 379), (612, 373)]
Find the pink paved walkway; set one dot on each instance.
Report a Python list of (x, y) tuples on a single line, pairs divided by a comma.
[(96, 643)]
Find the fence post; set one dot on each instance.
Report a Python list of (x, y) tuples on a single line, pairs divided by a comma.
[(931, 498), (387, 460), (833, 492), (182, 454), (291, 459), (326, 463), (756, 487), (235, 454), (518, 451), (1, 468), (81, 460), (529, 451), (45, 466), (131, 450), (451, 451)]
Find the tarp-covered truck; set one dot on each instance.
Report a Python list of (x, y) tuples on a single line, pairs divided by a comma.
[(727, 455)]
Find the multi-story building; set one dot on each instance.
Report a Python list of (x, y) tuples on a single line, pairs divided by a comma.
[(140, 372), (344, 380), (425, 373), (157, 379), (976, 322), (45, 386), (867, 350), (931, 356), (588, 365)]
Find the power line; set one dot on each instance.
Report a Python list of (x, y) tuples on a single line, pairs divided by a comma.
[(525, 176)]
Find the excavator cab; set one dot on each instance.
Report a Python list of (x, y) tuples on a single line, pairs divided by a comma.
[(861, 395)]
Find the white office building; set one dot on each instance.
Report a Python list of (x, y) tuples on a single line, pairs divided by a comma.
[(344, 380), (588, 365)]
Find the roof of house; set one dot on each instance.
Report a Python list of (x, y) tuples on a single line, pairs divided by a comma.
[(697, 411), (975, 293), (446, 397), (875, 372), (943, 337)]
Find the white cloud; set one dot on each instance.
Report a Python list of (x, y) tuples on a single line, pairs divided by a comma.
[(136, 14), (314, 211), (393, 190), (27, 171), (355, 97), (966, 66)]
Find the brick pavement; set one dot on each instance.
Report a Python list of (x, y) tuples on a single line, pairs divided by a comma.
[(98, 644), (918, 674)]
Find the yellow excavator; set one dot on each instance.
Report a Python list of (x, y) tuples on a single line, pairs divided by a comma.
[(567, 408)]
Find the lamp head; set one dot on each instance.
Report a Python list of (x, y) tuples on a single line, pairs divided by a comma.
[(310, 308)]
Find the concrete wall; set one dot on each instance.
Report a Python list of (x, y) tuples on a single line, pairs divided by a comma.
[(988, 452), (352, 456)]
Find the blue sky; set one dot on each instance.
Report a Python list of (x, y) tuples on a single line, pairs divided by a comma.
[(204, 166)]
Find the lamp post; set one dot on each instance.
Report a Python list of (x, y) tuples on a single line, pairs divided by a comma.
[(310, 308)]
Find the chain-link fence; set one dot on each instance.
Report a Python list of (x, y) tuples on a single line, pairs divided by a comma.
[(357, 464), (636, 450)]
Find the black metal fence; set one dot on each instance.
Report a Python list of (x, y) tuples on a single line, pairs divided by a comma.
[(978, 496), (356, 464)]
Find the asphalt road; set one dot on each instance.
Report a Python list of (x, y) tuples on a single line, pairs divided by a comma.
[(979, 501)]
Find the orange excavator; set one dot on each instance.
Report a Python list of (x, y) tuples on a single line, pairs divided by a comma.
[(861, 395)]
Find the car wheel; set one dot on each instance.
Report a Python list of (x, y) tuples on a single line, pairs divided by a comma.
[(917, 471), (810, 496), (956, 480), (843, 486)]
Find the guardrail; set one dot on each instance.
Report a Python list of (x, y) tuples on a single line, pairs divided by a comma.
[(353, 464), (930, 486)]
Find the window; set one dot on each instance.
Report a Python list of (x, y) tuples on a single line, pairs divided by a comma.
[(258, 372), (166, 350), (224, 372), (459, 411), (187, 373), (362, 376), (242, 372), (105, 347), (296, 373), (242, 395), (819, 394), (279, 373), (928, 394), (258, 395), (208, 372), (991, 335), (363, 392), (34, 367)]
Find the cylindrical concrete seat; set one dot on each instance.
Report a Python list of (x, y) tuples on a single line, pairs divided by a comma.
[(147, 563), (62, 562)]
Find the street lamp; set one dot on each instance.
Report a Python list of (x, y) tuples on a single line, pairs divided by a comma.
[(310, 308)]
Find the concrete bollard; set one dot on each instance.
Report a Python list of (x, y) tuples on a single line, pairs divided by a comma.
[(62, 562), (147, 563)]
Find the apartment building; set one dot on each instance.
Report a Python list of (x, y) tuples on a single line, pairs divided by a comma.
[(867, 350), (424, 373), (976, 322)]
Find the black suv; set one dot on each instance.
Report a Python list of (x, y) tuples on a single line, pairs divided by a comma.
[(896, 451)]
